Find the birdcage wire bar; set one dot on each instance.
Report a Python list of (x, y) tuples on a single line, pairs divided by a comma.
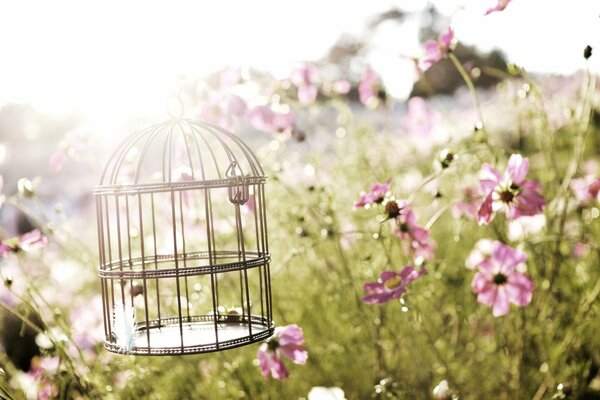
[(182, 228)]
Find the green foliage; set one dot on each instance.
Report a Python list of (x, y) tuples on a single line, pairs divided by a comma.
[(323, 251)]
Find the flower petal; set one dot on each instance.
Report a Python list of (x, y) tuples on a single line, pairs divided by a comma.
[(487, 294), (478, 283), (517, 168), (520, 289), (501, 303), (489, 173), (290, 334), (485, 213), (297, 354)]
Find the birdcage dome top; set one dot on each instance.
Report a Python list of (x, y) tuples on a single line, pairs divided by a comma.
[(180, 153)]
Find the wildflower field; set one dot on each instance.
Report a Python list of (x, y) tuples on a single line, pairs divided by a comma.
[(444, 247)]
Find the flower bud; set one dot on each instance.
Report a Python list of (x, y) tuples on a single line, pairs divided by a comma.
[(391, 209), (26, 187), (445, 158)]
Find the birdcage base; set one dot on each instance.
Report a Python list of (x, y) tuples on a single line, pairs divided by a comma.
[(165, 338)]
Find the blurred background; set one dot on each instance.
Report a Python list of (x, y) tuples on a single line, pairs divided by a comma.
[(77, 77)]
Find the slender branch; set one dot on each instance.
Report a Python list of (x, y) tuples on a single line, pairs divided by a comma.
[(465, 76)]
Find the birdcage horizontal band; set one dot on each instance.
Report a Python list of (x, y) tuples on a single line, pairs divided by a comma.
[(198, 334), (177, 186), (113, 270)]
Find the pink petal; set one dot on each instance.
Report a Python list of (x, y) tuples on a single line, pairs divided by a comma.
[(409, 217), (264, 359), (485, 213), (379, 298), (507, 258), (520, 289), (371, 286), (488, 173), (366, 86), (593, 189), (421, 235), (529, 202), (478, 283), (386, 275), (413, 274), (261, 118), (33, 240), (297, 354), (500, 6), (278, 370), (4, 250), (487, 268), (307, 94), (487, 294), (446, 37), (290, 335), (398, 292), (517, 168), (501, 303), (342, 86), (432, 55), (363, 200), (235, 106), (57, 161)]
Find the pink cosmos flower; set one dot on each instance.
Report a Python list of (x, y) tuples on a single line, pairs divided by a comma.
[(498, 283), (266, 119), (484, 248), (375, 196), (435, 50), (586, 189), (27, 242), (342, 86), (391, 285), (368, 88), (303, 77), (230, 77), (469, 205), (420, 118), (510, 193), (410, 232), (286, 341), (76, 144), (222, 109), (500, 6), (58, 160), (579, 250)]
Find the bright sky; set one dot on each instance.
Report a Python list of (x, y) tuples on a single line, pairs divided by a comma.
[(117, 59)]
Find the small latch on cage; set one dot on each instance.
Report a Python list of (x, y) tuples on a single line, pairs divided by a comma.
[(239, 192)]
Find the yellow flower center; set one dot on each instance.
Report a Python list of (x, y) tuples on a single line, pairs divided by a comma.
[(393, 283)]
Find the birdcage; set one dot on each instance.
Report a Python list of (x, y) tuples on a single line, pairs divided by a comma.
[(184, 256)]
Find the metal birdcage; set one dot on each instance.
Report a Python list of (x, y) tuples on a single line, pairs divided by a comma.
[(184, 256)]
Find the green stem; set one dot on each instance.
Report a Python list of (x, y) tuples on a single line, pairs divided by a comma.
[(469, 82), (439, 214), (437, 351), (22, 317)]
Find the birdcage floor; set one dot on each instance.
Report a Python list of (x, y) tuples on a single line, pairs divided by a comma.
[(198, 336)]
